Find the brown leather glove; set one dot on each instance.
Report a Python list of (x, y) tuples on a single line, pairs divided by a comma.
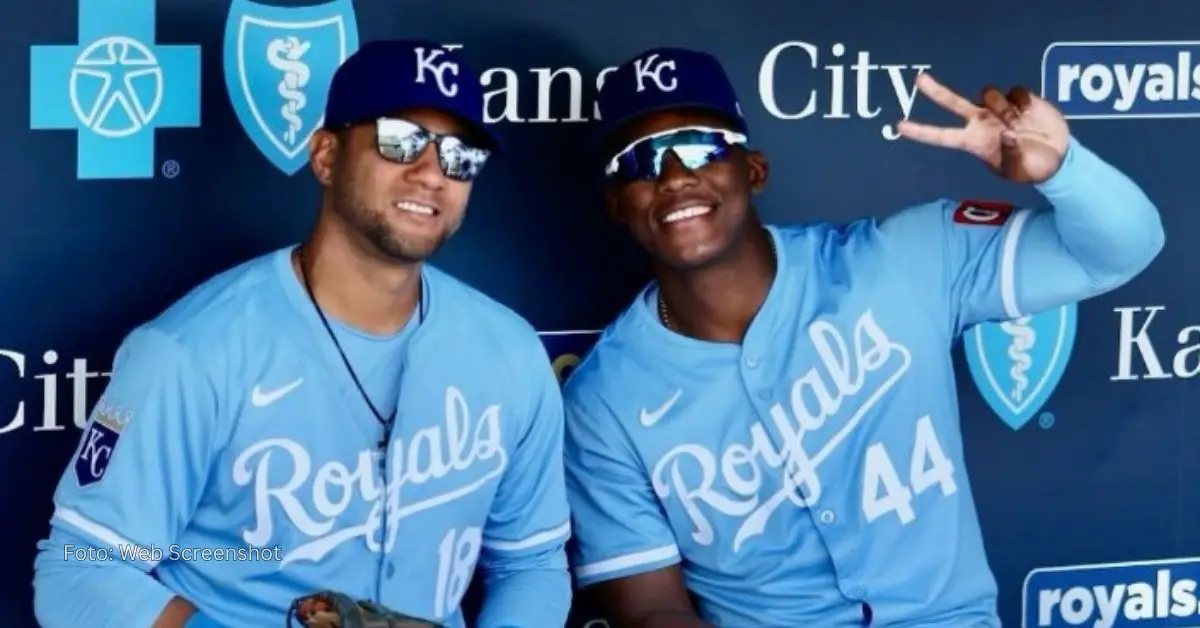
[(329, 609)]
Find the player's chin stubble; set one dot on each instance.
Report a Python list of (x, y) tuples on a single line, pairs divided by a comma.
[(387, 240)]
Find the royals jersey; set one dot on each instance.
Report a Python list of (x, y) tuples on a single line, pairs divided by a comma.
[(233, 455), (814, 474)]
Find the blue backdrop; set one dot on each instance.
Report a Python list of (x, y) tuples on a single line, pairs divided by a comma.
[(151, 144)]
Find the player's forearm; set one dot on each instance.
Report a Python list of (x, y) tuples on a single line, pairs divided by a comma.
[(179, 613), (1104, 220), (102, 593), (527, 595)]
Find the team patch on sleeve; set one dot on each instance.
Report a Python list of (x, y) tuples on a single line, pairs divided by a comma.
[(99, 442), (983, 213)]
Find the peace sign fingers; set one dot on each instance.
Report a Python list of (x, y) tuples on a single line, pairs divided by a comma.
[(1018, 135), (945, 97), (944, 137)]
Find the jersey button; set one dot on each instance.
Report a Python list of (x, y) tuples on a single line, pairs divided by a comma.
[(391, 569), (858, 594), (752, 362), (828, 516)]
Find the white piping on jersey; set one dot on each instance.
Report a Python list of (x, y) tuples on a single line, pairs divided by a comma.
[(626, 561), (532, 540), (104, 534), (1008, 264)]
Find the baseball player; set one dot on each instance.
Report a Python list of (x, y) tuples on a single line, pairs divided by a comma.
[(771, 426), (338, 415)]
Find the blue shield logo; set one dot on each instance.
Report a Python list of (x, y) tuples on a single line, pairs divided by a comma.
[(278, 65), (1017, 364)]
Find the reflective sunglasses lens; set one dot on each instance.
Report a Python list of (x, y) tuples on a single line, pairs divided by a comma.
[(695, 149), (695, 156), (400, 141), (461, 161), (403, 142)]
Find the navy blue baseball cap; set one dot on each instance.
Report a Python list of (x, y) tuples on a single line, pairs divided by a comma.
[(660, 79), (386, 76)]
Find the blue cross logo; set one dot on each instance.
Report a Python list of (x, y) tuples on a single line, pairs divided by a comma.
[(114, 88)]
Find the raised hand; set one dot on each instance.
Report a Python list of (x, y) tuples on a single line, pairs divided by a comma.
[(1020, 136)]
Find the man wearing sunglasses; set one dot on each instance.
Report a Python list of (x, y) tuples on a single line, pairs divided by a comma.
[(772, 425), (338, 415)]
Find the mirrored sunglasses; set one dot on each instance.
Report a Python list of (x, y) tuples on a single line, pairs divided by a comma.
[(695, 146), (403, 141)]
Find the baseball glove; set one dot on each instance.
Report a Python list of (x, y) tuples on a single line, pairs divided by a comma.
[(329, 609)]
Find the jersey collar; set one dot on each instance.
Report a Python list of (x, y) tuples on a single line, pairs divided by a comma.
[(661, 343)]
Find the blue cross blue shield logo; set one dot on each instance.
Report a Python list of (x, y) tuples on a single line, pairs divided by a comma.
[(1017, 364), (279, 62), (114, 88)]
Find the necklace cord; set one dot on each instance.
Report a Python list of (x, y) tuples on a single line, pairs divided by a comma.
[(385, 422), (664, 313)]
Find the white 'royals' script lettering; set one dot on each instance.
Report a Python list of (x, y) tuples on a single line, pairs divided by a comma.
[(433, 453), (812, 403), (425, 62), (652, 68)]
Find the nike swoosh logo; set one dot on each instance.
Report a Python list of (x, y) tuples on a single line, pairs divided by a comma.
[(649, 418), (262, 398)]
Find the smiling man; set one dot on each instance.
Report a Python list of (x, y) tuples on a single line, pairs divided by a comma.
[(338, 415), (771, 428)]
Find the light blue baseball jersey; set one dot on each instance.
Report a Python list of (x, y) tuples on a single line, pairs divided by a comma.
[(814, 475), (233, 448)]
